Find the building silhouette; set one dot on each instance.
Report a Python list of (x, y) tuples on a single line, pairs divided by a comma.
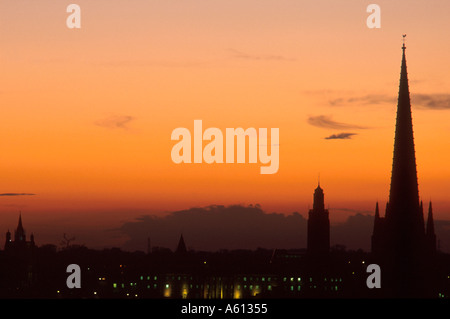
[(400, 241), (181, 248), (318, 237), (20, 242), (402, 244), (20, 260)]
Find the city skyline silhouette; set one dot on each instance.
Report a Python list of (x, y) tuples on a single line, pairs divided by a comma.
[(94, 180), (403, 245)]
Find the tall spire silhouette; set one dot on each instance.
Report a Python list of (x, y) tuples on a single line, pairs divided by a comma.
[(404, 192), (399, 238)]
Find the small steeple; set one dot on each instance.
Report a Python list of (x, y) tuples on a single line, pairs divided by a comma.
[(19, 235), (19, 226), (430, 222), (181, 245), (377, 212), (430, 230)]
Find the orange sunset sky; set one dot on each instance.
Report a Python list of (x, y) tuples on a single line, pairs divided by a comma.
[(87, 114)]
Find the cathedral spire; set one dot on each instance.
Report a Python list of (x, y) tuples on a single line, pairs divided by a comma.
[(404, 192), (399, 240)]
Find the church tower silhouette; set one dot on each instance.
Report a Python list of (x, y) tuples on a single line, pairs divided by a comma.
[(318, 239), (400, 241), (20, 241)]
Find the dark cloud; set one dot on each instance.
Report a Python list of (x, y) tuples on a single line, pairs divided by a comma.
[(340, 136), (325, 121), (248, 227), (442, 230), (352, 210), (150, 63), (17, 194), (431, 101), (115, 121), (239, 227), (218, 227), (363, 100), (355, 233), (242, 55)]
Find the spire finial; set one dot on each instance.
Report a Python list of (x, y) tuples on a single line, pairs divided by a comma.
[(404, 40)]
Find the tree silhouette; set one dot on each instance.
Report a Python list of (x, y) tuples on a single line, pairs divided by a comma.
[(65, 242)]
